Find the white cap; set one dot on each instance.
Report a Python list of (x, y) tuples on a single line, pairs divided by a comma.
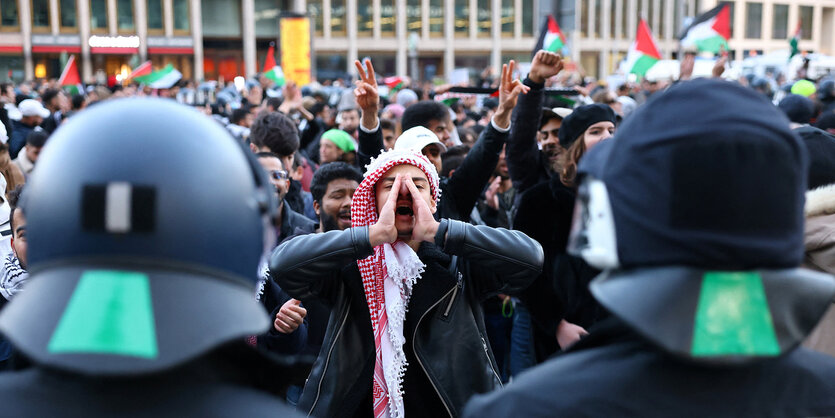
[(32, 107), (416, 139)]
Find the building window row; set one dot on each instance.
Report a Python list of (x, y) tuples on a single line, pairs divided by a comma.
[(68, 15)]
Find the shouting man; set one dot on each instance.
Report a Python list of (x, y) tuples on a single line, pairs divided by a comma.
[(417, 281)]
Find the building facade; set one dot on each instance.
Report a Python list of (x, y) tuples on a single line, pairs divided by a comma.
[(602, 30), (220, 39)]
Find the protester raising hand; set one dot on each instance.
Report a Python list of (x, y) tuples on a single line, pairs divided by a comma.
[(545, 65), (509, 91), (368, 99)]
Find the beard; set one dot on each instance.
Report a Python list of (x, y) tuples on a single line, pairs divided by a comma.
[(329, 223)]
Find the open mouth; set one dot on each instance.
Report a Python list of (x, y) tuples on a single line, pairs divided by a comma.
[(345, 216), (404, 210)]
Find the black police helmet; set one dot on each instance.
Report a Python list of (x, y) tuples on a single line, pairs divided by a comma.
[(146, 224)]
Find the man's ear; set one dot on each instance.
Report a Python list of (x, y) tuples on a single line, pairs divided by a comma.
[(433, 206), (316, 207), (253, 148)]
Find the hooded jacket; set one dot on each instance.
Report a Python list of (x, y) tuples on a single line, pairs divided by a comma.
[(446, 344), (820, 256)]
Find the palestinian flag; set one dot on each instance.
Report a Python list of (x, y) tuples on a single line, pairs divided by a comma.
[(550, 37), (162, 79), (69, 77), (142, 70), (794, 40), (643, 53), (710, 31), (271, 69), (395, 84)]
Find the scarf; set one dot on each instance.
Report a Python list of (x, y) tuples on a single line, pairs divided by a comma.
[(387, 279), (13, 277)]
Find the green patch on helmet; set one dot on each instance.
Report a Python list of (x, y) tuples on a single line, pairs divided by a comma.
[(110, 312), (733, 317)]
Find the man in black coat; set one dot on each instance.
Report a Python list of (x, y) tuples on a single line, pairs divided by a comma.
[(698, 226), (140, 299), (417, 282)]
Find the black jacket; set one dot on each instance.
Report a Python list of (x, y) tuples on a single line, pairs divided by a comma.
[(525, 162), (461, 191), (229, 382), (273, 298), (449, 358), (614, 372), (293, 223)]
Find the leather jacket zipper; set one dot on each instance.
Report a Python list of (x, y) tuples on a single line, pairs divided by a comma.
[(328, 359), (487, 353), (414, 336), (454, 294)]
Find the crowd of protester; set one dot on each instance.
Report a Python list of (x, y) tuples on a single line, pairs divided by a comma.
[(494, 191)]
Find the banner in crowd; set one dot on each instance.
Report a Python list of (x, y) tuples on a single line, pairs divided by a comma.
[(295, 49)]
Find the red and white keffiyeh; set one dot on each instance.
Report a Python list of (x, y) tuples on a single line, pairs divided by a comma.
[(387, 278)]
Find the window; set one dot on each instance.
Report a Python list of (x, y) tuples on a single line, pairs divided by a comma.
[(338, 17), (181, 16), (40, 13), (508, 18), (365, 17), (413, 15), (661, 20), (155, 15), (124, 15), (753, 20), (436, 18), (624, 20), (98, 16), (462, 18), (584, 19), (8, 14), (613, 12), (388, 17), (68, 14), (598, 15), (780, 24), (806, 20), (527, 18), (221, 18), (484, 18), (266, 18), (314, 10)]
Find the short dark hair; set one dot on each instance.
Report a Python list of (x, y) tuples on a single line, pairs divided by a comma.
[(274, 102), (267, 154), (48, 95), (276, 132), (77, 101), (330, 172), (387, 124), (420, 113), (453, 158), (37, 138), (239, 114), (14, 203)]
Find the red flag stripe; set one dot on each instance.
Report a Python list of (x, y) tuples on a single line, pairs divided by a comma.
[(644, 41), (722, 24)]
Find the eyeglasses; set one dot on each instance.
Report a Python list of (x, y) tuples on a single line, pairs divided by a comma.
[(543, 135), (279, 175)]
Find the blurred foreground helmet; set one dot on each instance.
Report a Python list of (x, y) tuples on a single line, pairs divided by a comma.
[(826, 92), (699, 224), (146, 223)]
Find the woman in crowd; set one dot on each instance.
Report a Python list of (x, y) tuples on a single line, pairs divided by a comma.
[(559, 299)]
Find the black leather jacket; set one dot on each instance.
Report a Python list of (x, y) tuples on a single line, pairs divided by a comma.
[(444, 326)]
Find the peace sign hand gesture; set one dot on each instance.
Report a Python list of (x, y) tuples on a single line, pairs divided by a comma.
[(509, 91), (368, 99)]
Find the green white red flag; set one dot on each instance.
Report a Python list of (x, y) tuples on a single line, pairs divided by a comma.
[(710, 31), (550, 37), (643, 53)]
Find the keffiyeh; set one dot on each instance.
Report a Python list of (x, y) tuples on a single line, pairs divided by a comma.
[(13, 277), (387, 278)]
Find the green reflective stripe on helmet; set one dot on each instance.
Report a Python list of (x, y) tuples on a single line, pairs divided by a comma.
[(732, 317), (110, 312)]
